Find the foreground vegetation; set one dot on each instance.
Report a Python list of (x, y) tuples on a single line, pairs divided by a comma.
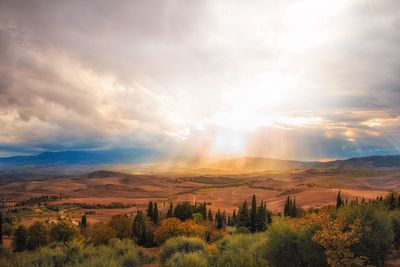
[(355, 233)]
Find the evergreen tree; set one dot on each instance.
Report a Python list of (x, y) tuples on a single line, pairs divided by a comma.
[(203, 210), (262, 217), (339, 201), (219, 220), (83, 225), (234, 218), (294, 208), (139, 228), (224, 217), (210, 216), (155, 213), (290, 208), (253, 215), (184, 211), (243, 215), (286, 207), (391, 201), (170, 212), (19, 239), (150, 210), (229, 221)]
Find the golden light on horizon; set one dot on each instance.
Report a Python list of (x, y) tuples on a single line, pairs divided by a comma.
[(271, 78)]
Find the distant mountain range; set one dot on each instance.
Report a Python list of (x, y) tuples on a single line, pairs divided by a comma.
[(138, 156), (82, 157), (254, 164)]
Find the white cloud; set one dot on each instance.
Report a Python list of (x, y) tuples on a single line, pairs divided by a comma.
[(207, 76)]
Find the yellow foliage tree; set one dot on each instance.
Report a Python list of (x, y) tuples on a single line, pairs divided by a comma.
[(337, 237), (172, 227)]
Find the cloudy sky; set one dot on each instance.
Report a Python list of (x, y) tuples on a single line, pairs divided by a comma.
[(312, 79)]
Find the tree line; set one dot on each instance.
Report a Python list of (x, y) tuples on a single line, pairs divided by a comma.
[(356, 232)]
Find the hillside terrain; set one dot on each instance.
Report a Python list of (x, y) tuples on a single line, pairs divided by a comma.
[(141, 161)]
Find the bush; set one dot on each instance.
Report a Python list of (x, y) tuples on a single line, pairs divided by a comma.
[(37, 236), (172, 227), (395, 218), (239, 250), (19, 239), (181, 244), (122, 226), (243, 230), (192, 259), (62, 232), (101, 233), (184, 211), (377, 235), (289, 247), (116, 253)]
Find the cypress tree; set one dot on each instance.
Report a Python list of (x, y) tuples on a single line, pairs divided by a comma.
[(294, 208), (287, 207), (150, 210), (229, 221), (391, 201), (261, 222), (290, 208), (155, 213), (219, 220), (170, 212), (243, 215), (253, 215), (139, 228), (339, 201), (210, 216), (203, 210), (83, 225), (234, 218)]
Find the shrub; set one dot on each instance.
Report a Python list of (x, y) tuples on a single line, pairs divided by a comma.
[(122, 226), (62, 232), (172, 227), (395, 218), (101, 233), (37, 236), (289, 247), (116, 253), (239, 250), (242, 230), (184, 211), (192, 259), (19, 239), (377, 235), (181, 244)]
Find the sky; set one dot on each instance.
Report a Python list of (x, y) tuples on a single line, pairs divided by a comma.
[(307, 79)]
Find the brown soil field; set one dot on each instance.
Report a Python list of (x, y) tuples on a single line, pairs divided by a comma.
[(226, 192)]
